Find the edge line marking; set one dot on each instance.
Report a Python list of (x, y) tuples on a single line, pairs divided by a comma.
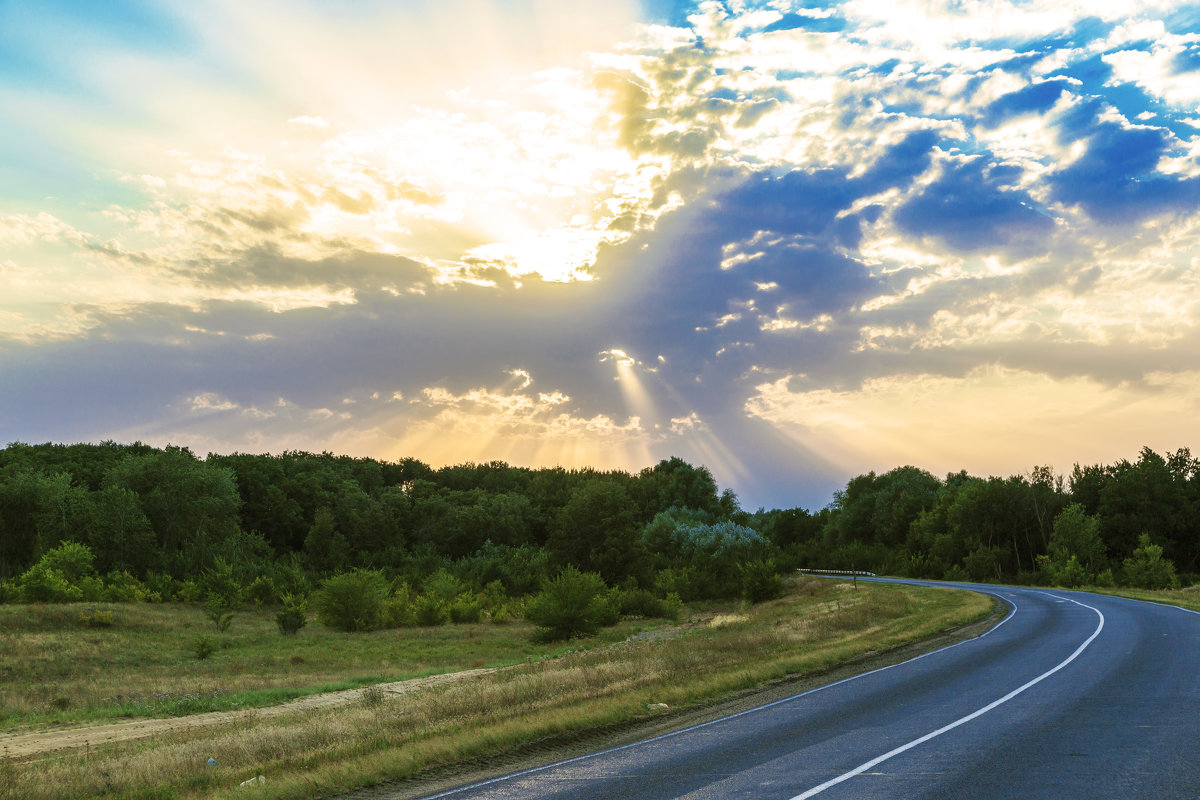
[(534, 770), (962, 720)]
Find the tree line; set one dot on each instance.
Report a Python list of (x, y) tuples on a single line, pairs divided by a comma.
[(163, 519)]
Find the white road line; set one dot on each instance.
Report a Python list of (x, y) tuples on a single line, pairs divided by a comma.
[(962, 720), (755, 710)]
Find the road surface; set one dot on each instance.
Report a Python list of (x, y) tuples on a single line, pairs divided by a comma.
[(1073, 695)]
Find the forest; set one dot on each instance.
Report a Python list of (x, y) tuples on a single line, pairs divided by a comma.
[(123, 522)]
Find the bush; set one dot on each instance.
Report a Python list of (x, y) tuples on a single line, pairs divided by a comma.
[(465, 609), (72, 559), (96, 618), (643, 603), (398, 612), (121, 587), (431, 611), (760, 581), (1147, 569), (218, 587), (443, 587), (162, 585), (352, 601), (40, 584), (261, 592), (293, 616), (572, 604), (203, 647), (91, 588), (288, 577)]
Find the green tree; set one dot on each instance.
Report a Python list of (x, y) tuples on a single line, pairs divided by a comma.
[(1147, 569), (120, 534), (597, 531), (191, 506), (352, 601), (325, 547), (1077, 533), (571, 604)]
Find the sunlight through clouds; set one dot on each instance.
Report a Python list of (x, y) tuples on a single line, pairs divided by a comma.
[(791, 243)]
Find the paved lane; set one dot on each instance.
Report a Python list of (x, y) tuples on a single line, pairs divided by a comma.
[(1073, 695)]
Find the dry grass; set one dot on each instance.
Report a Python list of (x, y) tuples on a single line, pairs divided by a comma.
[(55, 667), (1187, 597), (307, 755)]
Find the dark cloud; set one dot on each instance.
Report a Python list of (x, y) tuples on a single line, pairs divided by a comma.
[(265, 266), (974, 206), (1033, 99), (1116, 179)]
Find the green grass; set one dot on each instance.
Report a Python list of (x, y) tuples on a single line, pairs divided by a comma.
[(311, 754), (56, 668), (1188, 597)]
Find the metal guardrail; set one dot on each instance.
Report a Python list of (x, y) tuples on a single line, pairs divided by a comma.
[(854, 572)]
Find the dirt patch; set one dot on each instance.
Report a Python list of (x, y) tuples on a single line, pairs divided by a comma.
[(23, 746)]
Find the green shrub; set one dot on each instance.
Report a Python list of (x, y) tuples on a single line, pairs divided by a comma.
[(41, 584), (293, 616), (121, 587), (188, 591), (760, 581), (218, 586), (222, 617), (288, 577), (465, 610), (572, 604), (431, 611), (261, 592), (398, 612), (352, 601), (443, 586), (91, 588), (72, 560), (203, 647), (643, 603), (1147, 569), (96, 618), (161, 586)]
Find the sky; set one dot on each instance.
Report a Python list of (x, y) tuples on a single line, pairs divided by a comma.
[(791, 241)]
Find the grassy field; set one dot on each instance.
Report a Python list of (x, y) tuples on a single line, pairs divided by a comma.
[(55, 668), (818, 624)]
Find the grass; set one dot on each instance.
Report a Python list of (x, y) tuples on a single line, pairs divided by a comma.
[(817, 625), (56, 666), (1187, 597)]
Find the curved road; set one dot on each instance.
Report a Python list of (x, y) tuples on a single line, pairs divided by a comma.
[(1073, 695)]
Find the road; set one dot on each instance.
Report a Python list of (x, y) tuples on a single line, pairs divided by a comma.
[(1073, 695)]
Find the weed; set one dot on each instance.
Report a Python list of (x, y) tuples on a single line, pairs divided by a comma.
[(203, 647), (293, 616), (372, 696), (96, 618)]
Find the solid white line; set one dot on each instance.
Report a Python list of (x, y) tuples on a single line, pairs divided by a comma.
[(756, 709), (962, 720)]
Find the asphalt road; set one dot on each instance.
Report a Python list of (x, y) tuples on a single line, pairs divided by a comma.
[(1073, 695)]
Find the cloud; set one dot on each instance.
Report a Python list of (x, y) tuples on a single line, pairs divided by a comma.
[(607, 243), (973, 205)]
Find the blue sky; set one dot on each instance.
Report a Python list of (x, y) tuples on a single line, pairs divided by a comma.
[(791, 241)]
